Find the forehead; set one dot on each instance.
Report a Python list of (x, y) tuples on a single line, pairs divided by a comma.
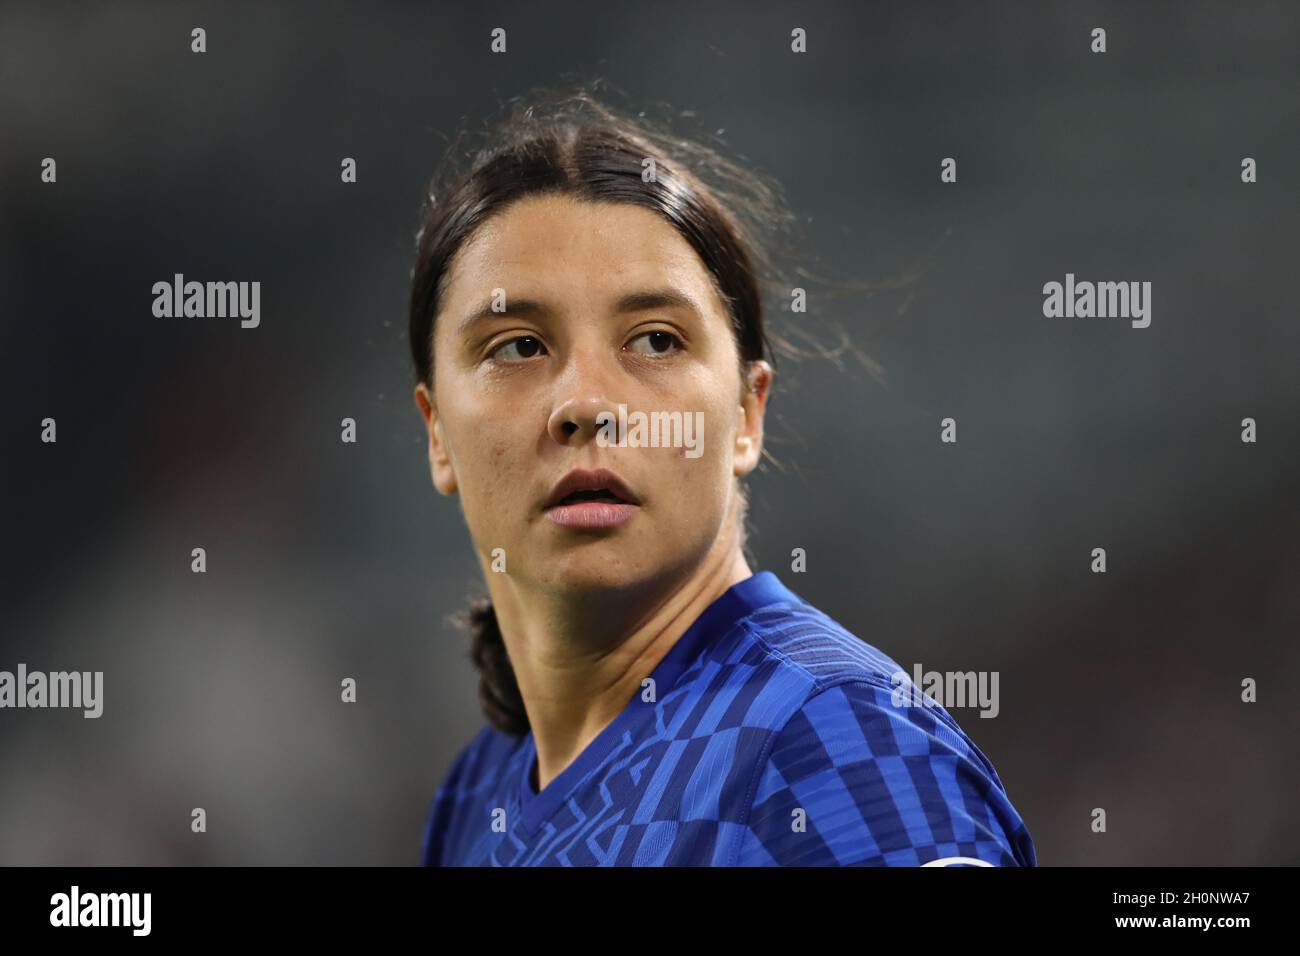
[(572, 247)]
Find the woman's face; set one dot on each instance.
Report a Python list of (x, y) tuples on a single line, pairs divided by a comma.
[(579, 328)]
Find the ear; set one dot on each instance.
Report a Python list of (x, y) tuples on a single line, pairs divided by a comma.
[(753, 405), (440, 463)]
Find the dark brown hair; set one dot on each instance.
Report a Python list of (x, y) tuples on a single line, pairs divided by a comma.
[(571, 143)]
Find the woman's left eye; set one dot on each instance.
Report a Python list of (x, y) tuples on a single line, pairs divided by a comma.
[(660, 342)]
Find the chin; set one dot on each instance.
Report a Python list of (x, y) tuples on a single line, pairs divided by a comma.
[(595, 569)]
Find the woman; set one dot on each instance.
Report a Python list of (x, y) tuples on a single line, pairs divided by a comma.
[(650, 699)]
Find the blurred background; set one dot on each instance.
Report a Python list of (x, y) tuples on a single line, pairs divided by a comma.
[(328, 560)]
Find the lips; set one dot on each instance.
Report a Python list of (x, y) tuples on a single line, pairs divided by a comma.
[(591, 485), (591, 500)]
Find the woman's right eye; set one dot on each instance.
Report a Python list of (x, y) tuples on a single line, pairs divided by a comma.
[(525, 347)]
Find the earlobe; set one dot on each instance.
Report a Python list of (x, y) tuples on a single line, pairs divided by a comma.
[(753, 404), (440, 464), (745, 459), (444, 474)]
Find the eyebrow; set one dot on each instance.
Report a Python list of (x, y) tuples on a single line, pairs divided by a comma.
[(638, 301)]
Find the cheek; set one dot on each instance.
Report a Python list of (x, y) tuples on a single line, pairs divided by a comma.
[(721, 419), (490, 491), (486, 456), (703, 469), (494, 472), (702, 474)]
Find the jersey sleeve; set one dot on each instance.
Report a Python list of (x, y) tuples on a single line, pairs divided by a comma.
[(854, 779), (440, 810), (435, 826)]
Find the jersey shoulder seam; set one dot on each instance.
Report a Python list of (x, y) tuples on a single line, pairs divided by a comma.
[(818, 684), (816, 688)]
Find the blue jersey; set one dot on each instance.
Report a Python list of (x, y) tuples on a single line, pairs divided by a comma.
[(769, 735)]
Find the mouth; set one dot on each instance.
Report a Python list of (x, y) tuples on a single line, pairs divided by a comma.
[(591, 499), (598, 494)]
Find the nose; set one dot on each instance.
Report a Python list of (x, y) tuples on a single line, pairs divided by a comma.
[(582, 394), (574, 420)]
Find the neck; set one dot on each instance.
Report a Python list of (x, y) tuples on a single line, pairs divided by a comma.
[(579, 659)]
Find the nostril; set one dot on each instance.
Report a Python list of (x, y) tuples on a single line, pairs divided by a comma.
[(570, 427)]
